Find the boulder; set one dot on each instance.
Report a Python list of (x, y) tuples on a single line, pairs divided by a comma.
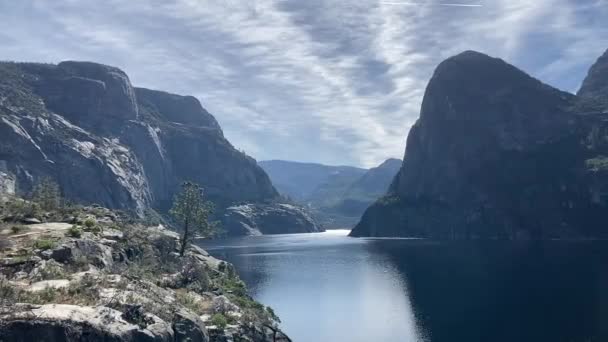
[(71, 323), (31, 220), (189, 327), (274, 218), (93, 251)]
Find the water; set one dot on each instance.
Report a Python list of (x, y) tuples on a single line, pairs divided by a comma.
[(328, 287)]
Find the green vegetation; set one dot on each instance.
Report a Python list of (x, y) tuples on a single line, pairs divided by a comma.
[(192, 212), (189, 301), (273, 314), (50, 271), (75, 231), (44, 244), (17, 229), (47, 194), (90, 223), (599, 163), (219, 320)]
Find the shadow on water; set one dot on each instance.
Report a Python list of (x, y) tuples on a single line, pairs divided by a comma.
[(328, 287), (506, 291)]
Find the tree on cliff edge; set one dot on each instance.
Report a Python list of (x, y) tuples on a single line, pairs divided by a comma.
[(192, 212)]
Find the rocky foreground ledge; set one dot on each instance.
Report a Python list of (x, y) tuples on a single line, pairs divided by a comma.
[(97, 278)]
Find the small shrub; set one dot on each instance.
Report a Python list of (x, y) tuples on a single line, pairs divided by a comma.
[(219, 320), (75, 231), (234, 286), (17, 229), (51, 270), (44, 244), (8, 293), (48, 295), (189, 301), (193, 275), (90, 223)]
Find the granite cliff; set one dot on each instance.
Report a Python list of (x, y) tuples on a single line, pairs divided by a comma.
[(498, 154), (107, 142)]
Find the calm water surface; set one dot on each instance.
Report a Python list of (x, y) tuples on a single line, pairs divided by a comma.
[(328, 287)]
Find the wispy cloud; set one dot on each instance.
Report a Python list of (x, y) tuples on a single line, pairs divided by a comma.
[(333, 81), (430, 4)]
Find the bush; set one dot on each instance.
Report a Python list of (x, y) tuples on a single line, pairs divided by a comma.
[(219, 320), (189, 301), (8, 293), (17, 229), (75, 231), (194, 276), (90, 223), (44, 244)]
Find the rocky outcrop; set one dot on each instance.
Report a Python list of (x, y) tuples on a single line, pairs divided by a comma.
[(120, 282), (66, 323), (496, 153), (258, 219), (84, 125)]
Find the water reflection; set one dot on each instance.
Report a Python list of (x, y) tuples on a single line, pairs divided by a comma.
[(327, 287)]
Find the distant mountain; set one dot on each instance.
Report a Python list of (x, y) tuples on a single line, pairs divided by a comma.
[(104, 141), (303, 181), (498, 154), (337, 195)]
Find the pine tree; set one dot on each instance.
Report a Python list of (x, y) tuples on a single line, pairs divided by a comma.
[(192, 212), (47, 194)]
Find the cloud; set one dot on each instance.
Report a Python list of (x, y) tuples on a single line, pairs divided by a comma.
[(427, 4), (338, 82)]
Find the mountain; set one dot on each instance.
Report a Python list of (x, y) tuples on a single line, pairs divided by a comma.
[(337, 195), (302, 181), (104, 141), (498, 154)]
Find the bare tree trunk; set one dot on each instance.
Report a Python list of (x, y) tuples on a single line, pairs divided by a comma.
[(185, 238)]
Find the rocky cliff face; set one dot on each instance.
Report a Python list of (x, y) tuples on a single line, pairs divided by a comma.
[(497, 153), (259, 219), (595, 84), (104, 141)]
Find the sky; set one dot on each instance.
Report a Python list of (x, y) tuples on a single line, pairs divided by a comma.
[(329, 81)]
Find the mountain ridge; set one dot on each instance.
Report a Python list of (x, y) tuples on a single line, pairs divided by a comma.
[(107, 142), (336, 195)]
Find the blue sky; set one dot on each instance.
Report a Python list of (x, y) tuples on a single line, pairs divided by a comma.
[(334, 81)]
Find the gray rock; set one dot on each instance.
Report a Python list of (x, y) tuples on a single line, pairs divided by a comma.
[(31, 220), (275, 218), (189, 327), (94, 252), (70, 323)]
